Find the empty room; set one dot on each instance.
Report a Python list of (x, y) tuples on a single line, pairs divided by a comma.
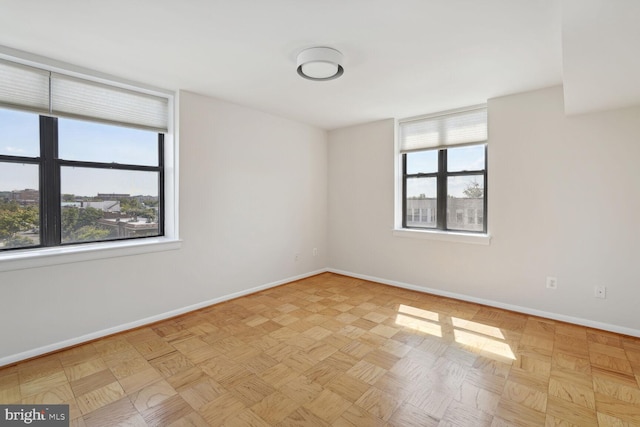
[(319, 213)]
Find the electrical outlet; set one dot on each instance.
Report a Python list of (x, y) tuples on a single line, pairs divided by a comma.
[(600, 292), (296, 257), (552, 283), (315, 251)]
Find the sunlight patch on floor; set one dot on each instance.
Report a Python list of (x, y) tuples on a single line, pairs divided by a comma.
[(480, 337), (419, 325), (484, 343), (491, 331)]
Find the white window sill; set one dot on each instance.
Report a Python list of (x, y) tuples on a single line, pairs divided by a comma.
[(42, 257), (444, 236)]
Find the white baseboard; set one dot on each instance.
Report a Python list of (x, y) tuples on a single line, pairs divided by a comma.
[(8, 360), (525, 310)]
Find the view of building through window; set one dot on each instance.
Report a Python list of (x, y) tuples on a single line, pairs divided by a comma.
[(463, 178), (83, 218), (96, 202), (463, 213)]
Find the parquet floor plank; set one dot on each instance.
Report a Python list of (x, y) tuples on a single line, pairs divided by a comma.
[(331, 350)]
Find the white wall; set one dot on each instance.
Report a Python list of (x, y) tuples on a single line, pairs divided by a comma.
[(253, 193), (563, 201)]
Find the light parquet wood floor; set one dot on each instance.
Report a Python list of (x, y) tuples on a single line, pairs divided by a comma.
[(336, 351)]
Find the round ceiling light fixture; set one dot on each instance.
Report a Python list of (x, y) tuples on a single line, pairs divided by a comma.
[(320, 63)]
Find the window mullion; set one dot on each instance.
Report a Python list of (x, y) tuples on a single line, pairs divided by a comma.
[(466, 173), (49, 182), (161, 184), (486, 186), (404, 190), (18, 159), (442, 190), (114, 166)]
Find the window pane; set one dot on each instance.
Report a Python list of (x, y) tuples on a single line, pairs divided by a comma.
[(469, 158), (465, 202), (19, 206), (422, 162), (97, 142), (104, 204), (19, 133), (421, 202)]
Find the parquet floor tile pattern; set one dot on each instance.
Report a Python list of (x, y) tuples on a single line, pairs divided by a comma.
[(331, 350)]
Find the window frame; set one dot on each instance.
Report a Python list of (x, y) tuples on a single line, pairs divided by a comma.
[(442, 176), (402, 146), (31, 257)]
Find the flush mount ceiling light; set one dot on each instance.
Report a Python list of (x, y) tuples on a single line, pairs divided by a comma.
[(320, 63)]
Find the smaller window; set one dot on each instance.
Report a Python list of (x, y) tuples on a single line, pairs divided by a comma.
[(444, 171)]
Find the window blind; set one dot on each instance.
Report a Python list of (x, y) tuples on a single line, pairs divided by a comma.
[(445, 130), (23, 87), (81, 98), (34, 89)]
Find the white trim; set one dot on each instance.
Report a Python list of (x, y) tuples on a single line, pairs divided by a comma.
[(14, 358), (397, 177), (443, 113), (511, 307), (444, 236), (171, 172), (42, 257)]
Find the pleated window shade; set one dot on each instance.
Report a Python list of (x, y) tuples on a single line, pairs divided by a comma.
[(34, 89), (75, 97), (23, 87), (442, 131)]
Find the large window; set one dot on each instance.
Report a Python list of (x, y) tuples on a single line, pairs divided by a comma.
[(444, 171), (80, 161)]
